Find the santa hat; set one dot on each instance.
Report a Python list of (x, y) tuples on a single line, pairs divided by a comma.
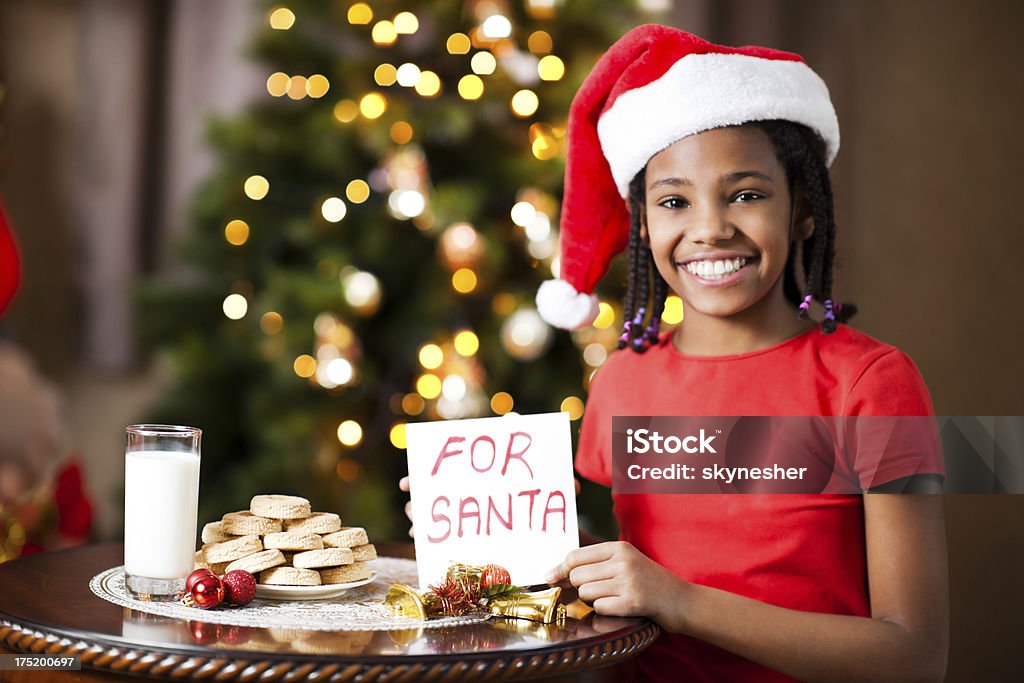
[(654, 86), (9, 271)]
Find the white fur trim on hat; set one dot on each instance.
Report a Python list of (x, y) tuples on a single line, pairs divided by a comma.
[(705, 91), (559, 304)]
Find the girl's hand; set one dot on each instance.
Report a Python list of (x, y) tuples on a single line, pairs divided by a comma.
[(403, 484), (618, 580)]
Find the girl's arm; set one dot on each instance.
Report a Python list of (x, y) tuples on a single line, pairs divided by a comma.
[(905, 639)]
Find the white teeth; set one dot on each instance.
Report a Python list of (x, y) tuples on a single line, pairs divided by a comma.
[(715, 269)]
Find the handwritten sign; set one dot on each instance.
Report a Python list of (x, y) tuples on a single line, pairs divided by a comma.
[(492, 490)]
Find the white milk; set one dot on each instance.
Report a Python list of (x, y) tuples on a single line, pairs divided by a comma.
[(161, 502)]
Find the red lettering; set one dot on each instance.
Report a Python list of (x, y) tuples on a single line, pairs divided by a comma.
[(532, 494), (552, 510), (463, 515), (492, 510), (472, 452), (445, 453), (509, 455), (440, 518)]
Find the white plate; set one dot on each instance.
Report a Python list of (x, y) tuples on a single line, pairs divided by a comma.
[(332, 590)]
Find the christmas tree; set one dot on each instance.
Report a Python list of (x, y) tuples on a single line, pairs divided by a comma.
[(368, 251)]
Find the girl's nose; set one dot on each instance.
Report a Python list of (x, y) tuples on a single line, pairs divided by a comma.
[(709, 225)]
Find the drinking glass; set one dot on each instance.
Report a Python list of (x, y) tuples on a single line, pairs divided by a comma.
[(161, 503)]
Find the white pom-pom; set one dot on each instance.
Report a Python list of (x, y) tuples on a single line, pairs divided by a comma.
[(561, 305)]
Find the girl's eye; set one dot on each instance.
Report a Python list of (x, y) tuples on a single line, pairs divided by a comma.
[(748, 196), (673, 203)]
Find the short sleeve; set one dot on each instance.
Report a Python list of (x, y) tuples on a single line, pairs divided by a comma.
[(891, 431), (593, 454)]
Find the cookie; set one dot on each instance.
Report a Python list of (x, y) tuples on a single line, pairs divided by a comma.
[(328, 557), (214, 533), (257, 562), (317, 523), (345, 574), (288, 540), (347, 537), (200, 562), (290, 576), (245, 523), (364, 553), (235, 549), (280, 507)]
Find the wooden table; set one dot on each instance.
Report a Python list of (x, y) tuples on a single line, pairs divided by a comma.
[(46, 607)]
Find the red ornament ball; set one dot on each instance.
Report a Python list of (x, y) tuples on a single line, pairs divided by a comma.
[(207, 592), (239, 587), (195, 576), (494, 575)]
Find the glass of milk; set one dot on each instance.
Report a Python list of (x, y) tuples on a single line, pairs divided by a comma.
[(161, 503)]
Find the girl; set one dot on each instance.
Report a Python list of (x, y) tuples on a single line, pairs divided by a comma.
[(711, 165)]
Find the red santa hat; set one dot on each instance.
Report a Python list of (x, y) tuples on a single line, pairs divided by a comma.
[(654, 86), (9, 271)]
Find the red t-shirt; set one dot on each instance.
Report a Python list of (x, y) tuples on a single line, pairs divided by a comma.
[(804, 552)]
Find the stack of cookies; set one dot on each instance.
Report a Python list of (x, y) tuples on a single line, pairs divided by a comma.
[(282, 542)]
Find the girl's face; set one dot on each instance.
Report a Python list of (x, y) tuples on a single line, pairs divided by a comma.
[(719, 219)]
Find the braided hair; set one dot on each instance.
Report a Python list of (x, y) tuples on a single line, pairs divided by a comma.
[(801, 152)]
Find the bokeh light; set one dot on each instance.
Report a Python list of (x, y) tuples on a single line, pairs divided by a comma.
[(428, 386), (373, 105), (483, 63), (501, 403), (458, 44), (574, 406), (471, 87), (397, 435), (235, 306), (605, 315), (256, 187), (673, 313), (539, 42), (524, 103), (466, 343), (333, 209), (360, 13), (523, 213), (236, 232), (496, 26), (464, 280), (304, 365), (384, 33), (412, 404), (431, 356), (346, 111), (281, 18), (429, 84), (406, 23), (350, 433), (357, 191), (271, 322), (408, 75), (550, 68), (401, 132), (385, 74), (277, 83), (297, 87), (317, 86)]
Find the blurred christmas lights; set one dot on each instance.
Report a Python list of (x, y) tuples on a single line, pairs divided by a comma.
[(256, 187), (235, 306)]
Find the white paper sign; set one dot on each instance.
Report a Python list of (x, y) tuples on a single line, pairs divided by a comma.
[(492, 490)]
